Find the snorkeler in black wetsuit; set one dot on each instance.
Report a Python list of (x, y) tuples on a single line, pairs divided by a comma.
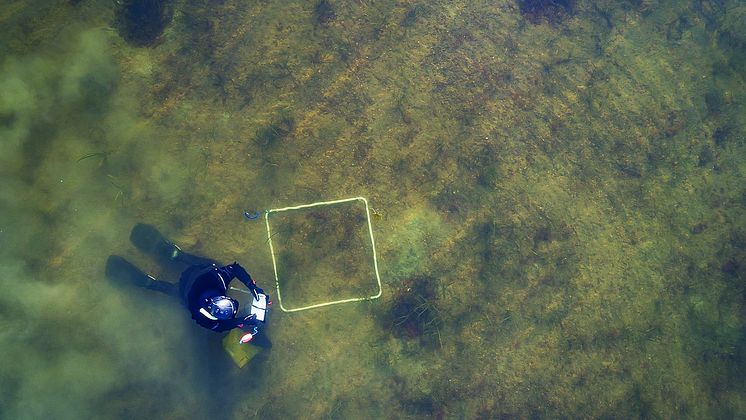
[(203, 285)]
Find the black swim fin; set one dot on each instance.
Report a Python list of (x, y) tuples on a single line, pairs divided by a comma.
[(122, 271), (148, 239)]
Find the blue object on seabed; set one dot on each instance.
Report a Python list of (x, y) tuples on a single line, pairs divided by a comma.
[(252, 216)]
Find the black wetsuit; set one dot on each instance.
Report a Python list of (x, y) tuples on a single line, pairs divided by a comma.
[(201, 282)]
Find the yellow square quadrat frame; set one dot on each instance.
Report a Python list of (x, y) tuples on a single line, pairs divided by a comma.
[(274, 261)]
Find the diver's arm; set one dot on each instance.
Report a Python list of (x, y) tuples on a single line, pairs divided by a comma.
[(227, 324), (206, 322), (245, 278)]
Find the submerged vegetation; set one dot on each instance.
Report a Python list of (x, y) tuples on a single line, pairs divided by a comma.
[(414, 313), (141, 22), (550, 11), (560, 209)]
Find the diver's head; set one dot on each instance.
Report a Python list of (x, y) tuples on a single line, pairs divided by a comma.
[(222, 307)]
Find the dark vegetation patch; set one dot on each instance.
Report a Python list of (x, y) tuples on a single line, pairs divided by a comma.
[(7, 119), (720, 135), (675, 30), (323, 13), (414, 14), (546, 11), (425, 405), (730, 267), (453, 202), (362, 150), (141, 22), (413, 313), (699, 228), (705, 157), (485, 166), (629, 170), (732, 264), (738, 240), (273, 133), (543, 234), (733, 43), (714, 102), (674, 122)]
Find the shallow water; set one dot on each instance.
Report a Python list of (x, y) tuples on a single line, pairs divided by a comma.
[(557, 190)]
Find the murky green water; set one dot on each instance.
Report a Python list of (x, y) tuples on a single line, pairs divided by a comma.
[(558, 191)]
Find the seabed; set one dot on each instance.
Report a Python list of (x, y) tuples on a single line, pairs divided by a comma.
[(557, 190)]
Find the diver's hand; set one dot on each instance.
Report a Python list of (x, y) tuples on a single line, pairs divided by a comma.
[(249, 319)]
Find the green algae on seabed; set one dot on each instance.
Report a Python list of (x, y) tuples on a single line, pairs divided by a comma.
[(562, 200)]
